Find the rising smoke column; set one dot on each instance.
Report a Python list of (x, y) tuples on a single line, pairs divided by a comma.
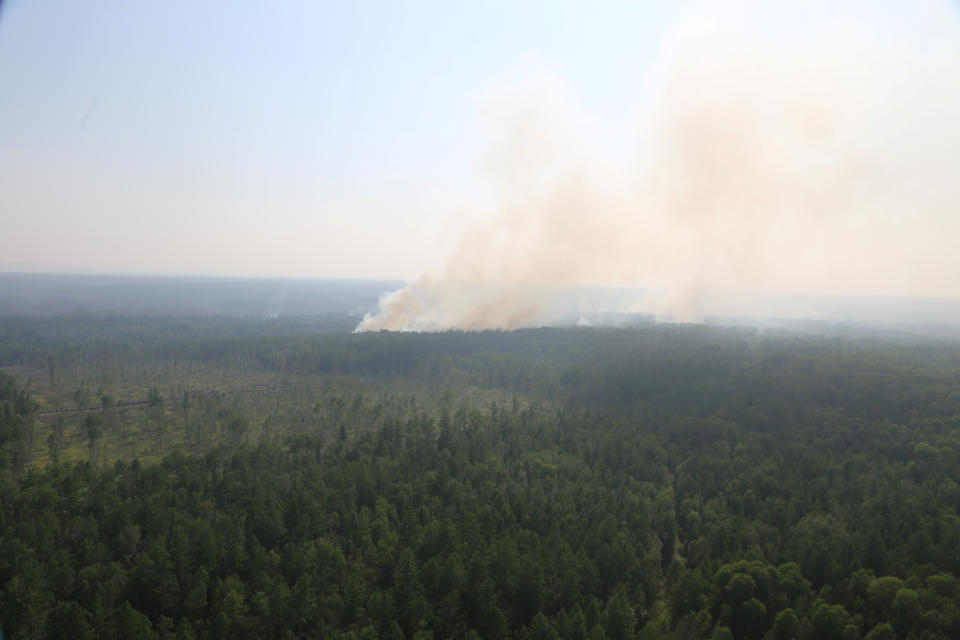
[(810, 150)]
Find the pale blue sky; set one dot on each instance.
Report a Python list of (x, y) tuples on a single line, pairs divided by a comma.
[(329, 139)]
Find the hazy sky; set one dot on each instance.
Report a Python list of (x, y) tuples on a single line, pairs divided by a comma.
[(490, 152), (329, 139)]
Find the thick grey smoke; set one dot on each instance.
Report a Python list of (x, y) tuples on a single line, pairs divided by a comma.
[(803, 151)]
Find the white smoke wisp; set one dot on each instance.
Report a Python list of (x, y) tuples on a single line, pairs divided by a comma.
[(806, 152)]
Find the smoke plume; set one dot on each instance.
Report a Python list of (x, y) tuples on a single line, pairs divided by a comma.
[(810, 150)]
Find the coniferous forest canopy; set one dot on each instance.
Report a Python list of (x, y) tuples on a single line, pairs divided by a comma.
[(250, 476)]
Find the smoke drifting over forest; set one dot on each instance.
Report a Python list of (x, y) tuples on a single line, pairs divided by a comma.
[(778, 151)]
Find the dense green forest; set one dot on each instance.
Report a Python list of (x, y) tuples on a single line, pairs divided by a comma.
[(212, 477)]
